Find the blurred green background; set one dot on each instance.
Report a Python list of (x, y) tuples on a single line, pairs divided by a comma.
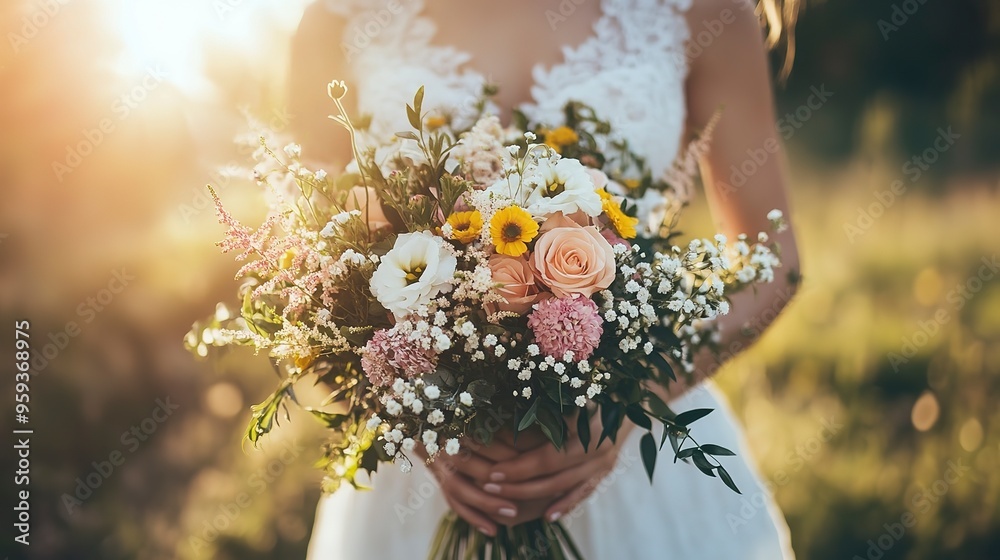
[(874, 400)]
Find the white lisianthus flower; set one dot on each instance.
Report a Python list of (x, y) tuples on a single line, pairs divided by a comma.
[(413, 273), (561, 186)]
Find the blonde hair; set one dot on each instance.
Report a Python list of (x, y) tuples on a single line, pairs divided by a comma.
[(778, 18)]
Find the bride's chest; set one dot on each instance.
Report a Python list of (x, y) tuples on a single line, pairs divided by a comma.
[(505, 41), (627, 63)]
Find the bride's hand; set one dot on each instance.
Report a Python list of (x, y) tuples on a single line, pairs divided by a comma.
[(561, 478), (461, 478)]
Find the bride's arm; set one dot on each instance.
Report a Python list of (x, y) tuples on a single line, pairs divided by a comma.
[(731, 73)]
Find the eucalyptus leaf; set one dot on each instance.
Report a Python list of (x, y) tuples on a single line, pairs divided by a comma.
[(724, 475), (647, 448), (638, 416), (529, 417), (717, 450), (702, 463), (328, 419), (687, 417), (583, 427)]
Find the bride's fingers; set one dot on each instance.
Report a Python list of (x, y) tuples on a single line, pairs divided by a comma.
[(544, 487), (541, 461), (472, 465), (497, 450), (574, 497), (523, 441), (462, 490)]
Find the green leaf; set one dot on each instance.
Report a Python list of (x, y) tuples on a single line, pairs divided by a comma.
[(718, 450), (685, 453), (263, 415), (638, 417), (702, 463), (647, 448), (659, 408), (728, 479), (672, 436), (552, 425), (346, 181), (583, 427), (413, 115), (611, 417), (481, 390), (662, 365), (418, 100), (328, 419), (687, 417), (408, 135), (529, 417)]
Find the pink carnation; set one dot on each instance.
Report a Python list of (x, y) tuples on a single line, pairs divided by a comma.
[(390, 354), (562, 324)]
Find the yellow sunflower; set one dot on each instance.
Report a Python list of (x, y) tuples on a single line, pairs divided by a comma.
[(465, 226), (622, 222), (511, 229), (560, 137)]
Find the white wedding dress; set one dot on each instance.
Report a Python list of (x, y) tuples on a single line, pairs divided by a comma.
[(631, 71)]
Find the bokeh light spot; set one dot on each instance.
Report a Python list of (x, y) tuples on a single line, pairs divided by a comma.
[(224, 400), (927, 286), (970, 437), (925, 412)]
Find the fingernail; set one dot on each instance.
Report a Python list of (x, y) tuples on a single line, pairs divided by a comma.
[(492, 488), (508, 512), (497, 477), (486, 532), (553, 517)]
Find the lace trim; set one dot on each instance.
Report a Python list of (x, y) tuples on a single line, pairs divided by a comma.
[(631, 70)]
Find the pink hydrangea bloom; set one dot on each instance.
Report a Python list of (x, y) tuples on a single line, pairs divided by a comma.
[(562, 324), (390, 354)]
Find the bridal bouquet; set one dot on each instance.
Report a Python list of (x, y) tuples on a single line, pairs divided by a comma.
[(451, 277)]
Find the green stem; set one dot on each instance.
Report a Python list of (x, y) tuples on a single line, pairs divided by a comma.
[(538, 539)]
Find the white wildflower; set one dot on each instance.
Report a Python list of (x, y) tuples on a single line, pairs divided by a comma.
[(435, 417)]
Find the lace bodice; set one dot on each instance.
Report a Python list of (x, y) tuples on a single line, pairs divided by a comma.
[(631, 70)]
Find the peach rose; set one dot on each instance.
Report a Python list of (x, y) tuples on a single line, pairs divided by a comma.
[(358, 200), (516, 283), (573, 259)]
